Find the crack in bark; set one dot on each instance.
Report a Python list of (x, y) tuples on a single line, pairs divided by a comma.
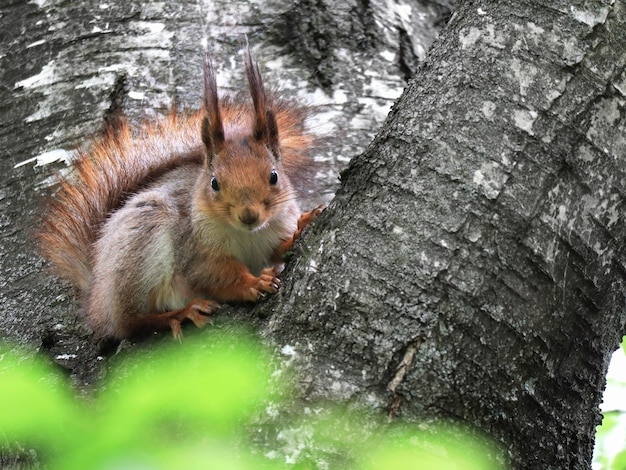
[(401, 371), (114, 115)]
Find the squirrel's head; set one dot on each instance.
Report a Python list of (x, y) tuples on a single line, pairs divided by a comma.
[(245, 183)]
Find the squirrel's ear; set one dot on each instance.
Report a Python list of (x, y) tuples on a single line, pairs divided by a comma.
[(272, 133), (212, 141), (265, 127), (212, 128)]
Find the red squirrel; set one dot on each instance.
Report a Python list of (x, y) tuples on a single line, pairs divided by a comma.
[(158, 225)]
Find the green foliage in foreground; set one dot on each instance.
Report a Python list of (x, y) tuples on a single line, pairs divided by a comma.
[(610, 449), (200, 405), (612, 427)]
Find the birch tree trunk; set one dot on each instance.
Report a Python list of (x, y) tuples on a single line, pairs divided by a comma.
[(472, 264)]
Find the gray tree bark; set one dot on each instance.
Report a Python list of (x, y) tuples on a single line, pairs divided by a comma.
[(472, 263)]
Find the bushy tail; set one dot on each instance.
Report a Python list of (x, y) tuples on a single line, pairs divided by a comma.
[(104, 175)]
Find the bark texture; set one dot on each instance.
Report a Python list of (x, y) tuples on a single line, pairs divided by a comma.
[(480, 239)]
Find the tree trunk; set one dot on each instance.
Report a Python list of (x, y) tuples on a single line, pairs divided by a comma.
[(472, 265)]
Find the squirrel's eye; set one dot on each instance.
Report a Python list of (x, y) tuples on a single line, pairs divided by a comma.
[(273, 177), (214, 184)]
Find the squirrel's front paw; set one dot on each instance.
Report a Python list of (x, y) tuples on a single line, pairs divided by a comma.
[(266, 283), (308, 217)]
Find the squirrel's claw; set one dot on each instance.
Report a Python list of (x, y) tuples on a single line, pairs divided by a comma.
[(268, 282), (198, 311), (177, 332)]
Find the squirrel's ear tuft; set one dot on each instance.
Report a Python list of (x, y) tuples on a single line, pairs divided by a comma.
[(265, 127), (212, 128)]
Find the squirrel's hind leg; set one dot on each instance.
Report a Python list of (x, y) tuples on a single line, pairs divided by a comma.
[(198, 311)]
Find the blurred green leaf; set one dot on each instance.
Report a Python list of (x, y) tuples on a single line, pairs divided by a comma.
[(610, 419), (36, 405), (439, 446), (172, 456), (611, 431), (213, 386), (619, 462), (203, 390)]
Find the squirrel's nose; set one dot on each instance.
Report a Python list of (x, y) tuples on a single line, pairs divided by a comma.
[(249, 216)]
